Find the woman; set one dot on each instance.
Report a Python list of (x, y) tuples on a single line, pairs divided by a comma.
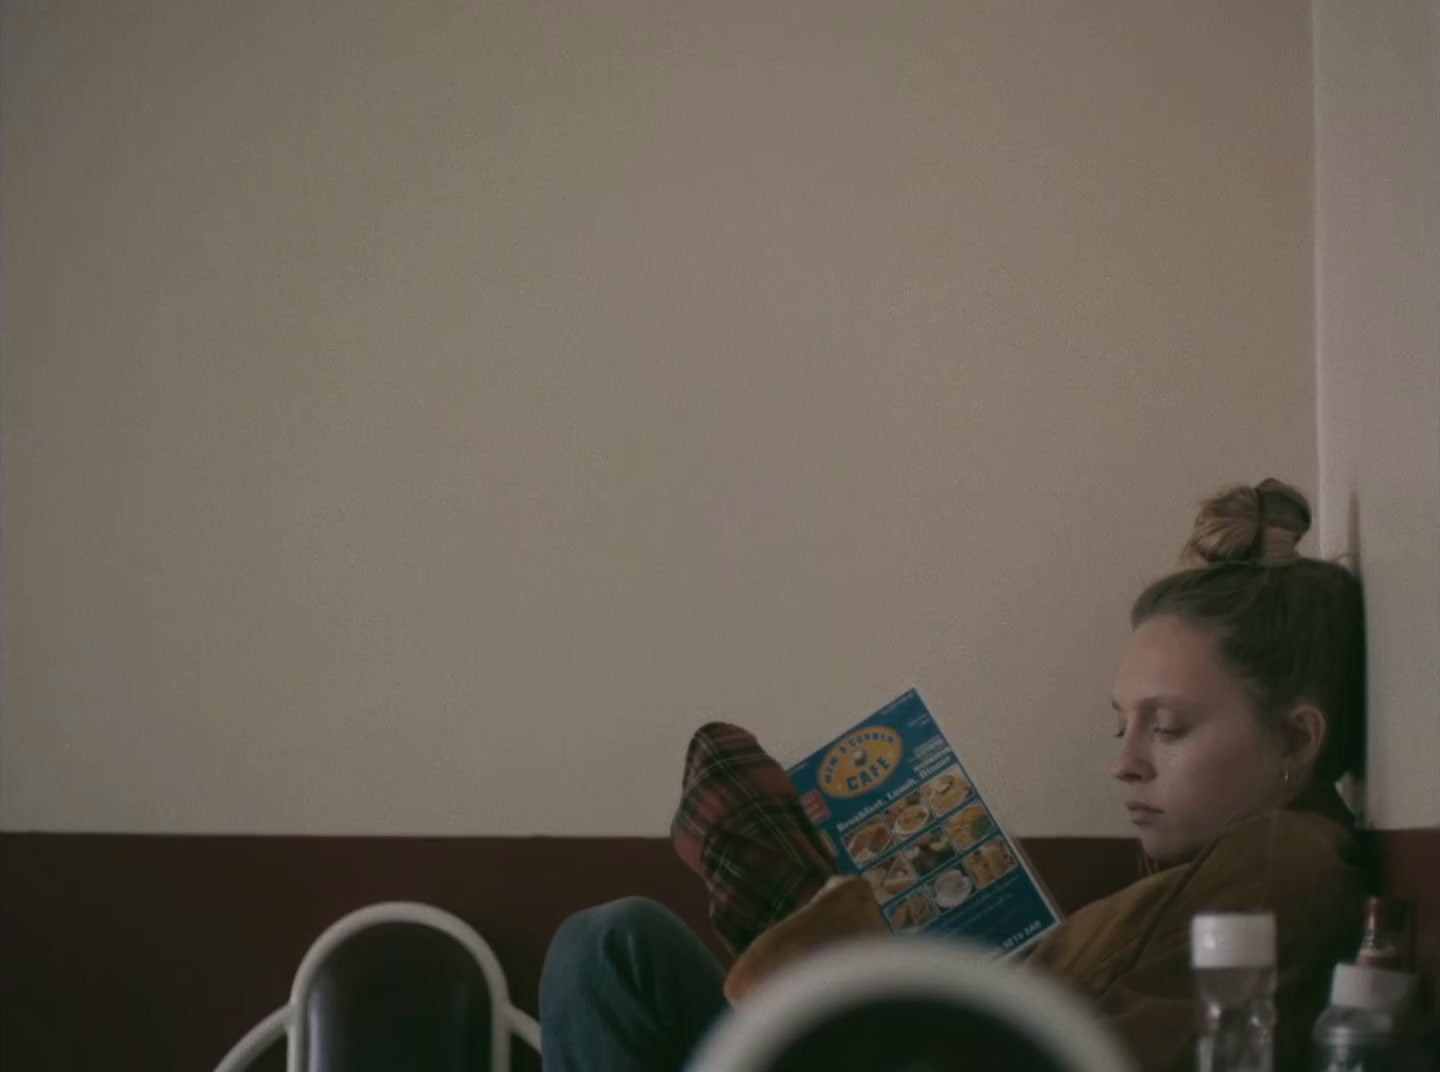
[(1238, 703)]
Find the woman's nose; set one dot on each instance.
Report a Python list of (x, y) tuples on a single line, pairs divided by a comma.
[(1130, 765)]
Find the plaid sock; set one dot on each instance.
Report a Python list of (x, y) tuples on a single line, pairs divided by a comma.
[(741, 828)]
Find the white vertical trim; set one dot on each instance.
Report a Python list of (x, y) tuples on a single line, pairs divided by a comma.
[(1324, 465)]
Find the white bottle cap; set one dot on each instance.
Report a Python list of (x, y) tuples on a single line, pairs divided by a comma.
[(1232, 940), (1356, 986)]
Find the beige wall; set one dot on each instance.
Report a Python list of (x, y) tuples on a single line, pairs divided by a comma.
[(417, 417), (1377, 106)]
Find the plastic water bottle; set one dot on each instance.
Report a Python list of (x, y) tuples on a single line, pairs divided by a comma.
[(1233, 957), (1357, 1032)]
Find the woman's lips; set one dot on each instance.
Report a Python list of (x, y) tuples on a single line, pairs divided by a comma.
[(1143, 814)]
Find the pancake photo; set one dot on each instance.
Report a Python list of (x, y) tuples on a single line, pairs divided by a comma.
[(948, 790), (908, 816)]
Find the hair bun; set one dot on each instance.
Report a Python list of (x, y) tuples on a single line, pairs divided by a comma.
[(1262, 524)]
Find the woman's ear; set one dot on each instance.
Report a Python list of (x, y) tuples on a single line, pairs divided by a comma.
[(1305, 732)]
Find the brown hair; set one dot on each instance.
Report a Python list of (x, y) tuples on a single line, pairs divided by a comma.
[(1291, 627)]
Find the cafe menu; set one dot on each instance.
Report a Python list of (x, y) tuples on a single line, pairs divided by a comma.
[(892, 802)]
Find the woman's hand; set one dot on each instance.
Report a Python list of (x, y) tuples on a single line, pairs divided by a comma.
[(844, 909)]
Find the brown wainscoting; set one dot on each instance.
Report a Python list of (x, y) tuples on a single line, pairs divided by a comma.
[(1410, 871), (157, 953)]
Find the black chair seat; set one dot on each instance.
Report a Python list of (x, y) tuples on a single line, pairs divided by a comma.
[(398, 997)]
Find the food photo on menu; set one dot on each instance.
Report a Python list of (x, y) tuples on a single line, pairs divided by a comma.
[(969, 826), (908, 817), (893, 794), (991, 862), (894, 876), (947, 790), (930, 851), (911, 914), (869, 842), (951, 888)]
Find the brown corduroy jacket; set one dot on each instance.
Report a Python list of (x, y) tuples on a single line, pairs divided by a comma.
[(1130, 953)]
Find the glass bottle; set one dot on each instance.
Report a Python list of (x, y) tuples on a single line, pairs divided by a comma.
[(1383, 942), (1357, 1033)]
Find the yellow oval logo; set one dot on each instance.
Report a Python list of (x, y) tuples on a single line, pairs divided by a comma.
[(861, 762)]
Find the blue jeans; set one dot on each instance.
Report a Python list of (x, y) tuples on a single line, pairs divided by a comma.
[(627, 987)]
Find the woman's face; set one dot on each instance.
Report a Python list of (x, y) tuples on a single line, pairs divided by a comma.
[(1193, 756)]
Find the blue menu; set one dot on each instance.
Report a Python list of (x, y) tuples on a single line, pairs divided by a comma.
[(892, 801)]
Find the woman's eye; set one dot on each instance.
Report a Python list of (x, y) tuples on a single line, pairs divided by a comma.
[(1165, 733)]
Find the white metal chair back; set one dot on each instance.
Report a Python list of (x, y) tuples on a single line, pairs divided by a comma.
[(293, 1020)]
